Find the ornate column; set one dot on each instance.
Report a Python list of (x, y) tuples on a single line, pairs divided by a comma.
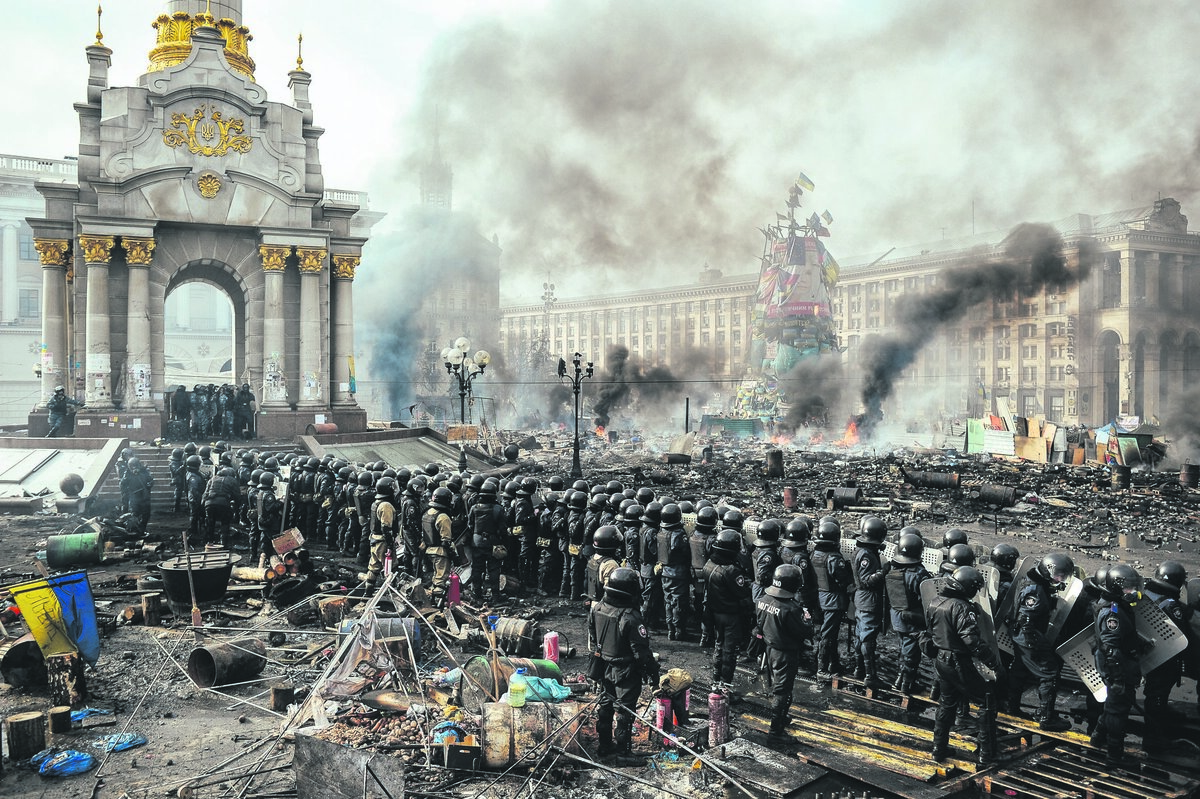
[(55, 254), (9, 310), (274, 388), (97, 250), (138, 253), (312, 264), (342, 326)]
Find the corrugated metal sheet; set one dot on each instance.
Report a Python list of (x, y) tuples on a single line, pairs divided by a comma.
[(998, 442), (406, 452)]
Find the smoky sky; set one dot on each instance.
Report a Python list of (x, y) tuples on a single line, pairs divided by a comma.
[(1033, 260), (651, 394), (602, 139)]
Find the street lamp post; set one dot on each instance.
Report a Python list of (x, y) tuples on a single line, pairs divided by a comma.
[(576, 383), (464, 370)]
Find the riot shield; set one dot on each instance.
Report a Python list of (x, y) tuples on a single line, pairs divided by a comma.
[(991, 580), (689, 522), (983, 617), (1065, 601), (1020, 580), (1155, 627), (1078, 654), (848, 545), (931, 559)]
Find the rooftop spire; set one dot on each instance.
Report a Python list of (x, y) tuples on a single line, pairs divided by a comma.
[(99, 32), (300, 52)]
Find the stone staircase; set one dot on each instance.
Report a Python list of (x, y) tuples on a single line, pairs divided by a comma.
[(156, 459)]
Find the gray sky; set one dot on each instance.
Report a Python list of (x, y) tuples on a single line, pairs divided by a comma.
[(619, 142)]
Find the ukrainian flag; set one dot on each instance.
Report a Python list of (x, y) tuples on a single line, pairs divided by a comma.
[(61, 614), (804, 182)]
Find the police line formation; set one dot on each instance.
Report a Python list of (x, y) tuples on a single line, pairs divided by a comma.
[(775, 592)]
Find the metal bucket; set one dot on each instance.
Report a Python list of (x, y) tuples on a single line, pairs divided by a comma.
[(78, 549), (478, 680), (221, 664), (510, 732), (517, 637), (1121, 476), (210, 573), (1189, 475)]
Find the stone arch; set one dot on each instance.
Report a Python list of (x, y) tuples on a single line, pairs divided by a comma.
[(225, 279), (1108, 350)]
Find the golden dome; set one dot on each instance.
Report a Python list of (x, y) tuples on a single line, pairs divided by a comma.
[(175, 41)]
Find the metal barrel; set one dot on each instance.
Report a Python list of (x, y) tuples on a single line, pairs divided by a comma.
[(1189, 475), (509, 732), (517, 637), (221, 664), (479, 680), (1004, 496), (1121, 476), (845, 496), (932, 479), (79, 549)]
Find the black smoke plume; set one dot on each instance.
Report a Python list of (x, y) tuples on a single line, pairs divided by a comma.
[(1182, 424), (625, 380), (1034, 260), (814, 389)]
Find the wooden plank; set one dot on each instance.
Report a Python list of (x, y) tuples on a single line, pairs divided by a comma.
[(770, 771), (1007, 781)]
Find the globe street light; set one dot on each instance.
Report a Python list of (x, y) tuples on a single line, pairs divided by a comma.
[(576, 382), (464, 370)]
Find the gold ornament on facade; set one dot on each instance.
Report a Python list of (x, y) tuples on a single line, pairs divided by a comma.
[(195, 130), (138, 251), (208, 184), (344, 266), (52, 252), (174, 42), (274, 259), (311, 260), (96, 249)]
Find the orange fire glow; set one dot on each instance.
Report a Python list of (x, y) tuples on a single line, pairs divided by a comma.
[(850, 437), (600, 431)]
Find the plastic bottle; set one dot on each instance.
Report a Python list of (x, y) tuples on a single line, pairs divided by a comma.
[(517, 688)]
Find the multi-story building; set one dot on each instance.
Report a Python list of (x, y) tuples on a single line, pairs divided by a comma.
[(1118, 342)]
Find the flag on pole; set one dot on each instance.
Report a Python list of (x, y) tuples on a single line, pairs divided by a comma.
[(828, 217), (353, 383), (61, 614), (804, 183)]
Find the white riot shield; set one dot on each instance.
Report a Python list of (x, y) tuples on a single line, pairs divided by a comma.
[(1064, 602), (1020, 580), (991, 580), (1078, 654), (931, 559), (888, 552), (983, 617), (689, 522), (1155, 627), (848, 545)]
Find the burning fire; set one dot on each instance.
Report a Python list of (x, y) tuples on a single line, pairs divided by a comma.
[(850, 437), (600, 432)]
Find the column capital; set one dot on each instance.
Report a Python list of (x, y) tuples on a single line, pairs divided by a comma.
[(52, 252), (97, 249), (274, 259), (312, 259), (345, 265), (138, 251)]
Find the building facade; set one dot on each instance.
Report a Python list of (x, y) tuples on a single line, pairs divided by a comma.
[(194, 175)]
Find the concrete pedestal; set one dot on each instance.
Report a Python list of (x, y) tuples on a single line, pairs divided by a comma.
[(136, 425)]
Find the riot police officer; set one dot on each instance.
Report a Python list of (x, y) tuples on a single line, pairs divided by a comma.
[(765, 557), (177, 472), (953, 624), (1117, 648), (603, 561), (220, 496), (869, 574), (438, 539), (652, 598), (958, 556), (1035, 657), (573, 577), (195, 483), (903, 583), (59, 406), (833, 578), (268, 515), (385, 524), (784, 628), (700, 543), (727, 602), (1004, 557), (1164, 589), (486, 523), (411, 510), (675, 568), (621, 660), (551, 544)]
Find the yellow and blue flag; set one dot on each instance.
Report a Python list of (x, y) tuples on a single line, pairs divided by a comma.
[(61, 614)]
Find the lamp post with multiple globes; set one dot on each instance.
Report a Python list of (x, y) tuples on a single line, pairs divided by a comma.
[(464, 370)]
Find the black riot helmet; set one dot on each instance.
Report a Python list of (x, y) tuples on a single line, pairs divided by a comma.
[(614, 501), (597, 502), (271, 465), (795, 533), (1123, 580), (580, 485), (614, 487), (605, 539), (557, 483), (510, 489), (670, 517), (829, 532), (728, 542), (733, 519), (909, 549), (965, 581), (255, 477), (622, 588), (432, 469), (551, 499), (633, 514), (577, 501), (953, 536), (193, 463), (205, 452), (416, 485), (644, 495), (652, 514), (767, 533), (189, 448), (1170, 573), (365, 479), (489, 489), (829, 517), (961, 555), (385, 488), (345, 473), (442, 499), (177, 454), (785, 582), (529, 485), (630, 493), (686, 506), (874, 530), (706, 519), (1056, 568), (126, 453), (1004, 556), (267, 480)]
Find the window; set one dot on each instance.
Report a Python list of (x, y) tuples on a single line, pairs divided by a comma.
[(1057, 351), (1029, 405), (721, 337), (1029, 309), (1029, 376), (1056, 407), (1001, 332), (892, 285), (1029, 351), (1027, 331), (1003, 374), (1056, 373), (1003, 352), (28, 252), (737, 338), (29, 307)]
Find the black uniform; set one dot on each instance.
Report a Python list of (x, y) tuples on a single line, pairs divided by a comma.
[(623, 646), (700, 545), (783, 627), (730, 610), (58, 406), (652, 594), (1117, 650), (833, 578), (135, 484), (525, 532), (903, 584), (953, 624), (573, 577), (220, 496), (269, 522), (869, 575), (552, 549), (196, 484), (485, 519), (675, 557), (1035, 655), (1161, 680)]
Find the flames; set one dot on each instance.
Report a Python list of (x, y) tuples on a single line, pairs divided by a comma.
[(600, 431), (850, 437)]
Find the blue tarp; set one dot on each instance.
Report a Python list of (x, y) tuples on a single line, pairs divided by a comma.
[(74, 593)]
